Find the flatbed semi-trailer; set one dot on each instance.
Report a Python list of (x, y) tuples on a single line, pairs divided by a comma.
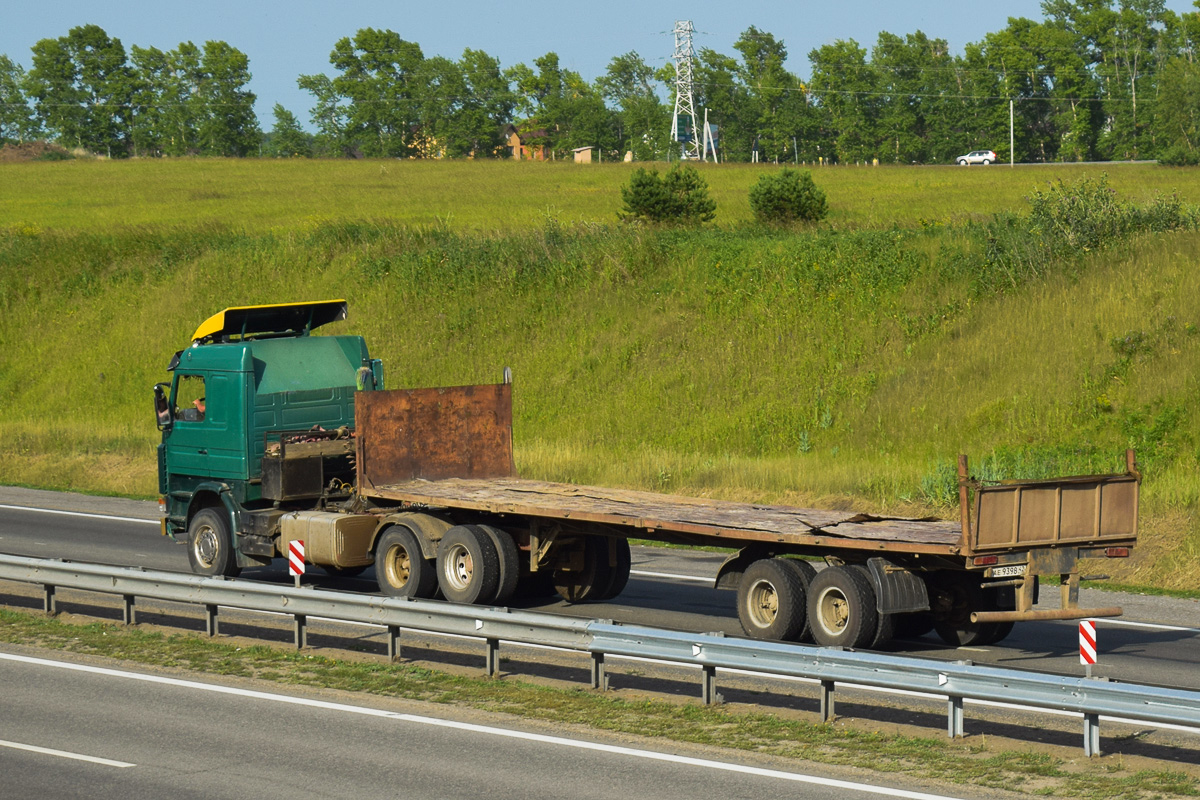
[(421, 483)]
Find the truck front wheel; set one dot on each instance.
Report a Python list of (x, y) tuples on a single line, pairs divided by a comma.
[(210, 546), (400, 567)]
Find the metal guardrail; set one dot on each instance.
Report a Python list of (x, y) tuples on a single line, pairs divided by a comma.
[(828, 666)]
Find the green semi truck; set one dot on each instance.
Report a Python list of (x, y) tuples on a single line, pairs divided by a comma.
[(272, 434)]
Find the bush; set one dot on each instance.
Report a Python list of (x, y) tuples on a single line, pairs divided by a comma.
[(787, 196), (681, 196)]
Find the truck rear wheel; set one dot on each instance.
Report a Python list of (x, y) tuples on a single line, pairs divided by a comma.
[(771, 600), (510, 563), (210, 546), (841, 608), (468, 567), (401, 568)]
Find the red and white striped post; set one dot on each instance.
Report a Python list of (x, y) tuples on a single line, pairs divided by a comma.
[(1087, 644), (296, 559)]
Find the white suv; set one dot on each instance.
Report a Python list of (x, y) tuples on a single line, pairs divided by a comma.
[(984, 157)]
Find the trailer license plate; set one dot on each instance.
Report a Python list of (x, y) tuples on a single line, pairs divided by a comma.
[(1008, 572)]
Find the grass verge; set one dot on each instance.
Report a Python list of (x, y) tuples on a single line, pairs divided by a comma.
[(969, 763)]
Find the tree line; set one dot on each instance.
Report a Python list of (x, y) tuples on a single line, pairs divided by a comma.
[(1094, 80)]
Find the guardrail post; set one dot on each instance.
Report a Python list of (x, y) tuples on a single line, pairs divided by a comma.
[(128, 613), (599, 675), (210, 619), (1091, 735), (827, 689), (954, 713), (301, 631), (49, 602), (493, 658), (393, 639), (708, 688)]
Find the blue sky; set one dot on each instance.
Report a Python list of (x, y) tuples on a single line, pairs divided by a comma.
[(288, 39)]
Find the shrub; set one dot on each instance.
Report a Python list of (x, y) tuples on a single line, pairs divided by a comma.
[(681, 196), (787, 196)]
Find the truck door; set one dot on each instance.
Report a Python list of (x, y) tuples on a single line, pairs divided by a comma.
[(188, 439), (207, 438)]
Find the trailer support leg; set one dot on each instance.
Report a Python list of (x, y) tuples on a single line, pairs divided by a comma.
[(301, 631), (128, 615), (826, 701), (708, 687), (954, 714), (493, 658), (49, 602), (393, 643), (1091, 735), (599, 675), (211, 625)]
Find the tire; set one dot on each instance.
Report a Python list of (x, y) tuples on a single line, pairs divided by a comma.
[(807, 572), (841, 608), (401, 569), (510, 563), (885, 626), (986, 162), (770, 600), (959, 594), (620, 570), (587, 585), (962, 162), (468, 567), (210, 544)]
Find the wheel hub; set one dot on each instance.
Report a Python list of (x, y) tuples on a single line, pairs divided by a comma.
[(205, 546), (398, 565), (764, 604), (460, 567), (833, 610)]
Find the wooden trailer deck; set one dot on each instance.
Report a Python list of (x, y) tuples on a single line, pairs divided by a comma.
[(658, 514)]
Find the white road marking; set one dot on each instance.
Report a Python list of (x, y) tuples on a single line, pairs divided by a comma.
[(1151, 625), (80, 514), (487, 730), (64, 754), (671, 575)]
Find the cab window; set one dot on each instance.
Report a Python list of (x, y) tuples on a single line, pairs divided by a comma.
[(189, 398)]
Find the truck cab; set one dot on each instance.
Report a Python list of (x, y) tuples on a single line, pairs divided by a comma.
[(252, 377)]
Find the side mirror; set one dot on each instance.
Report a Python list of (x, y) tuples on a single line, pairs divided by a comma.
[(162, 408)]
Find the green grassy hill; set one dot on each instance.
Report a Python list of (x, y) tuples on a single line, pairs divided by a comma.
[(938, 311)]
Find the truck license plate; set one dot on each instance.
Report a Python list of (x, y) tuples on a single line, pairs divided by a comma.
[(1008, 572)]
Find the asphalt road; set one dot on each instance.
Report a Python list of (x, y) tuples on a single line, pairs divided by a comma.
[(107, 733), (1157, 641)]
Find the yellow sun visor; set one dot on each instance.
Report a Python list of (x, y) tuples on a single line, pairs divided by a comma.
[(296, 319)]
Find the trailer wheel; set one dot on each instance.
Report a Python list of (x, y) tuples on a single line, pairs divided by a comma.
[(401, 569), (620, 570), (807, 572), (210, 546), (510, 563), (770, 600), (588, 584), (468, 566), (885, 624), (841, 608), (959, 594)]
